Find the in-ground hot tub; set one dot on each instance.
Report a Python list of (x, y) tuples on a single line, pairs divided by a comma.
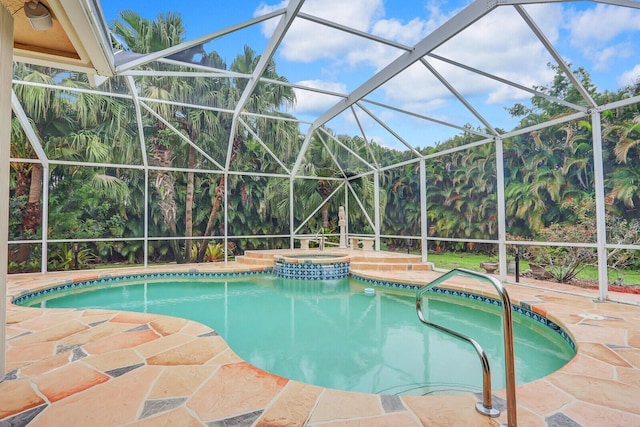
[(312, 266)]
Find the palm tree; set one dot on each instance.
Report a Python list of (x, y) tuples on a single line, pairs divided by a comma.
[(70, 126), (145, 36), (49, 112), (266, 98)]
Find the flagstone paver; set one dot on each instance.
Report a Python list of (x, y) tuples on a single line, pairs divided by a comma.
[(106, 368)]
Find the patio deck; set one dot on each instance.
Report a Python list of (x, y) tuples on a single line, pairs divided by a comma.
[(108, 368)]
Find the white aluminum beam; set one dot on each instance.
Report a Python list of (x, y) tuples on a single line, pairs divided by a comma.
[(292, 218), (388, 129), (195, 42), (218, 74), (509, 83), (621, 103), (502, 212), (6, 72), (376, 208), (191, 65), (270, 117), (556, 55), (549, 123), (32, 136), (360, 175), (333, 157), (427, 118), (353, 31), (625, 3), (72, 89), (324, 202), (303, 87), (185, 104), (456, 149), (281, 29), (255, 135), (44, 249), (362, 208), (364, 137), (337, 141), (181, 135), (146, 218), (401, 164), (424, 230), (462, 20), (599, 189), (458, 95), (136, 104)]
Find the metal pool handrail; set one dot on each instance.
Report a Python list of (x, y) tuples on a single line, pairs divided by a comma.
[(484, 407)]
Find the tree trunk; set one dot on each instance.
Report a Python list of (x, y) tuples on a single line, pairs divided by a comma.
[(217, 202), (325, 215), (325, 191), (32, 216), (189, 205), (165, 186)]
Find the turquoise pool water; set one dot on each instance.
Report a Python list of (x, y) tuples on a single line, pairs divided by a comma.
[(331, 334)]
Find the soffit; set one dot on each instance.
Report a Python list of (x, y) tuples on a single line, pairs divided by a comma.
[(77, 41)]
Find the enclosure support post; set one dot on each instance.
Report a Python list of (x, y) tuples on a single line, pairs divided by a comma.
[(145, 161), (502, 222), (423, 210), (292, 224), (226, 216), (376, 198), (146, 217), (601, 226), (347, 184), (6, 74), (45, 217)]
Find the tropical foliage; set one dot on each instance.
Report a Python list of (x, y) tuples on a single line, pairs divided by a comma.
[(190, 191)]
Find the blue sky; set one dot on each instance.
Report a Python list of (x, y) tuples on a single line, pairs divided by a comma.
[(603, 39)]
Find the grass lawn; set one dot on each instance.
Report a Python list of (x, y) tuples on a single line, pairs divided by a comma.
[(449, 260)]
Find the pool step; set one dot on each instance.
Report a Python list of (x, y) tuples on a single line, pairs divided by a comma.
[(266, 255), (360, 260), (362, 256), (254, 260), (390, 266)]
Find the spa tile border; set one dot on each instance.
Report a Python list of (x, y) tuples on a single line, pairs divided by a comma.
[(311, 270)]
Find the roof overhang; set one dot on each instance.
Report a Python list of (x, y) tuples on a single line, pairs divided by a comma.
[(78, 41)]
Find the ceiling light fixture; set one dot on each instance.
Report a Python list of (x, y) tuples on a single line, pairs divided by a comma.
[(38, 15)]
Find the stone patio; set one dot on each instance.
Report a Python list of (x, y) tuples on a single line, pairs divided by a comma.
[(107, 368)]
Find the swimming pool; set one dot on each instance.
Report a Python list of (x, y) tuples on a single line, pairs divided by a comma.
[(331, 334)]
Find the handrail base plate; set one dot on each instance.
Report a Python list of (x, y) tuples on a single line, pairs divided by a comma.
[(491, 412)]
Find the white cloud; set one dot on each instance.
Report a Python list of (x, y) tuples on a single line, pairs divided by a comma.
[(314, 102), (604, 34), (601, 24), (325, 42), (629, 77), (500, 44)]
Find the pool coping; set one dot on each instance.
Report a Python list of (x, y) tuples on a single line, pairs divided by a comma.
[(607, 364), (523, 308)]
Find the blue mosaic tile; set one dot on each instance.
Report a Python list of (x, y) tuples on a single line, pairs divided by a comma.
[(307, 271), (523, 310), (67, 285), (311, 271)]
